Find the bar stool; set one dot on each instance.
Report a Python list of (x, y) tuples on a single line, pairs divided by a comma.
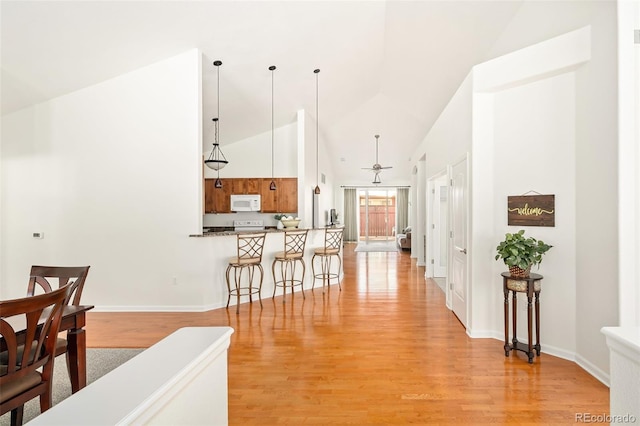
[(331, 249), (249, 256), (294, 242)]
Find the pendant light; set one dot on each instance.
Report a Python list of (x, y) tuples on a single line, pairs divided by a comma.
[(317, 189), (272, 186), (217, 160)]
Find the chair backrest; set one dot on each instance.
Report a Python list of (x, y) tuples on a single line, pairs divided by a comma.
[(250, 246), (333, 239), (30, 322), (42, 278), (294, 242)]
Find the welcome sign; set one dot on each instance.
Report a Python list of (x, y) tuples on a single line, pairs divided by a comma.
[(531, 210)]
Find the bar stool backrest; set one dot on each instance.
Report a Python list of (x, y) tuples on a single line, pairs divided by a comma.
[(294, 242), (332, 240), (250, 247)]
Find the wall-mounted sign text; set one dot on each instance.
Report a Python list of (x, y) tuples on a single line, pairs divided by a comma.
[(531, 210)]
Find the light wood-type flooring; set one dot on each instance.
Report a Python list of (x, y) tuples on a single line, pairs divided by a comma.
[(384, 350)]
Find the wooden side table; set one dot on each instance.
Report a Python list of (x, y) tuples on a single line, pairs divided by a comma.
[(531, 286)]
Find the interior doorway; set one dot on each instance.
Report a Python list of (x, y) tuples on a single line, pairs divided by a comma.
[(377, 214), (440, 225)]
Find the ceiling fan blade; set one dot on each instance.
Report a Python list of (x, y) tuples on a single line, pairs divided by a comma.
[(388, 167)]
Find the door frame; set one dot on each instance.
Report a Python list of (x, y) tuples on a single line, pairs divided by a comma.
[(467, 159), (431, 236), (367, 192)]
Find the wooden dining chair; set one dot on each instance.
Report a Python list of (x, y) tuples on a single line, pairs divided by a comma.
[(31, 322), (43, 279)]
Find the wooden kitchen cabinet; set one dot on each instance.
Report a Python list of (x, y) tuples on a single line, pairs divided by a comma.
[(287, 195), (245, 185), (268, 198), (217, 200), (283, 200)]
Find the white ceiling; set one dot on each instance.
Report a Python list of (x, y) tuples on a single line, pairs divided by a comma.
[(387, 67)]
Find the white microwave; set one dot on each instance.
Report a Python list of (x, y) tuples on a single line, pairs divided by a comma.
[(245, 202)]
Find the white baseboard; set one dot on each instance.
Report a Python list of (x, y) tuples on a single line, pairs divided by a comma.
[(594, 371), (164, 308)]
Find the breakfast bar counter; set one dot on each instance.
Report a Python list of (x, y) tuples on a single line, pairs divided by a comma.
[(218, 247)]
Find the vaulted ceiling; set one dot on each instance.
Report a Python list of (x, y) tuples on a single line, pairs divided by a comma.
[(387, 67)]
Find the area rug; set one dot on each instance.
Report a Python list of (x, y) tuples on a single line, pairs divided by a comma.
[(377, 246), (99, 363)]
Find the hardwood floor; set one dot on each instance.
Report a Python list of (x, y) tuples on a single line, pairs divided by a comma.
[(384, 350)]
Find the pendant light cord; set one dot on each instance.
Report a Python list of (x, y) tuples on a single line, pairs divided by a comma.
[(317, 128), (272, 155), (217, 130)]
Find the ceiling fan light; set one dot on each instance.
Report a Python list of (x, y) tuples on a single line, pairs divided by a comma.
[(272, 186)]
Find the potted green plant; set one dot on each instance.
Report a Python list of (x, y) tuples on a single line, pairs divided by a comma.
[(520, 253)]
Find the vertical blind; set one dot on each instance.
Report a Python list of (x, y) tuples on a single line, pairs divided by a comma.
[(350, 214)]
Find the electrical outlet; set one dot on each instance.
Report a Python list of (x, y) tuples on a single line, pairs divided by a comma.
[(38, 235)]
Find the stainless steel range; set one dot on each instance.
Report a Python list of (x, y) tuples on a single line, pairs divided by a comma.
[(248, 225)]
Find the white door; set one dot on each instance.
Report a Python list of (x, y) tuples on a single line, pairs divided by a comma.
[(459, 212), (440, 237)]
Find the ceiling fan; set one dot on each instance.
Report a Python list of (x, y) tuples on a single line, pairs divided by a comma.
[(376, 168)]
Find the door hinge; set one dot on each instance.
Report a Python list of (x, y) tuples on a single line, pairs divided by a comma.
[(451, 286), (451, 182), (433, 226), (432, 261), (450, 234), (433, 191)]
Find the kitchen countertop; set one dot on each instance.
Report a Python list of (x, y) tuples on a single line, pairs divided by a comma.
[(222, 231)]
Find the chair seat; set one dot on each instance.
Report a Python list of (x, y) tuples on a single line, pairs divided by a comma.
[(16, 387), (321, 251), (61, 347), (235, 261), (284, 256)]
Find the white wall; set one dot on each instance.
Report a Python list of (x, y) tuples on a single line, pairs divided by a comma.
[(590, 236), (534, 145), (111, 175), (251, 157), (326, 199)]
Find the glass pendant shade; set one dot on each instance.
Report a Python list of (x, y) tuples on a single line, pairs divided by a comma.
[(272, 186), (376, 179)]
